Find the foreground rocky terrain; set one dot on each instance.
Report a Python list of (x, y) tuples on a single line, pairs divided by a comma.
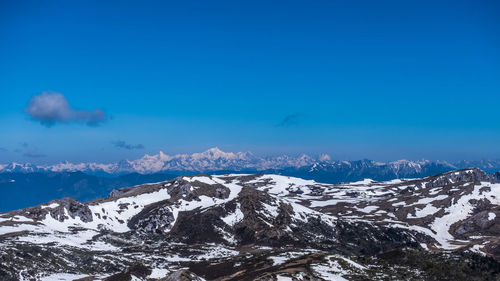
[(263, 227)]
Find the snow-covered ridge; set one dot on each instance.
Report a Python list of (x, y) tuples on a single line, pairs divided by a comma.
[(212, 159), (215, 159)]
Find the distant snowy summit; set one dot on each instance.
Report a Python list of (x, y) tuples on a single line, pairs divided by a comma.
[(212, 159), (215, 159)]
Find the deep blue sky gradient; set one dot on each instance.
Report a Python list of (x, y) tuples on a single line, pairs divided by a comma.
[(358, 79)]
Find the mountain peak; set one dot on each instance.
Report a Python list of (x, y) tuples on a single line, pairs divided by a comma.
[(215, 159), (325, 158), (214, 150)]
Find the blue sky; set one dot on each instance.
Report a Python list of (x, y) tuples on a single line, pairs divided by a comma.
[(356, 79)]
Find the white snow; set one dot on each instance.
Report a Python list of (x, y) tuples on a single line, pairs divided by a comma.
[(354, 264), (284, 257), (159, 273), (362, 182), (234, 217), (63, 277), (206, 180), (213, 251), (329, 272), (402, 203), (52, 205), (491, 216), (283, 278), (271, 210), (428, 200), (17, 228), (21, 219), (426, 211), (368, 209), (394, 181), (281, 185), (278, 260)]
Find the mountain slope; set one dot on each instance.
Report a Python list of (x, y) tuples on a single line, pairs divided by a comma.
[(265, 227)]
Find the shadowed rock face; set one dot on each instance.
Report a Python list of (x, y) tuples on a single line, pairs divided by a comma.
[(481, 222), (194, 227), (261, 227)]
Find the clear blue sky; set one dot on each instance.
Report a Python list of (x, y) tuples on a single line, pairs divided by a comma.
[(356, 79)]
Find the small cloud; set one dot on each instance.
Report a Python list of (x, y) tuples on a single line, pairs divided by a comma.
[(290, 119), (28, 150), (51, 108), (33, 155), (124, 145)]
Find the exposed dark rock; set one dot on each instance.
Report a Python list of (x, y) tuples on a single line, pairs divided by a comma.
[(270, 226), (477, 223), (461, 176), (196, 227), (181, 275), (137, 270), (155, 218), (73, 208)]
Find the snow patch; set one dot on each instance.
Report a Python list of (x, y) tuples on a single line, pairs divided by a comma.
[(234, 217), (491, 216)]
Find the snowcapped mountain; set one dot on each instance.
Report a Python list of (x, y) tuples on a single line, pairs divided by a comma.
[(304, 165), (209, 160), (212, 159), (263, 227), (347, 171), (19, 168)]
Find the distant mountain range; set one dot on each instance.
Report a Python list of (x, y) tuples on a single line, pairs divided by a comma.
[(215, 160)]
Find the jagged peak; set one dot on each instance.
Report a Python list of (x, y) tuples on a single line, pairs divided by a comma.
[(214, 153)]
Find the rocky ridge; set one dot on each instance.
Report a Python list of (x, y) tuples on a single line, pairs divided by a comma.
[(263, 227)]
